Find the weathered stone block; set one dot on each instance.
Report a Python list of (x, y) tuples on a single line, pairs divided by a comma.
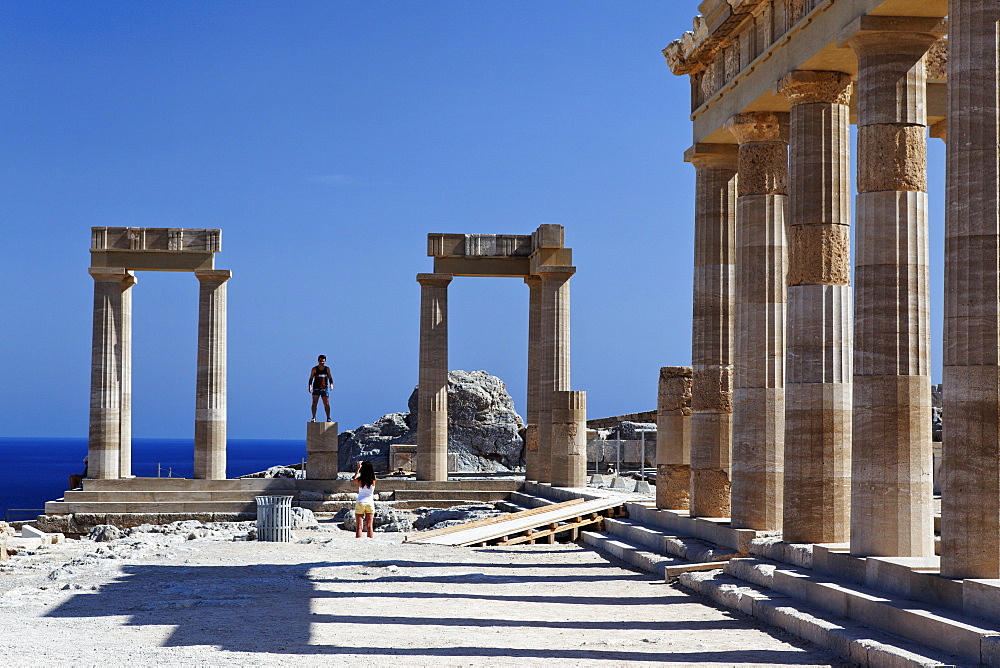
[(892, 157), (819, 254)]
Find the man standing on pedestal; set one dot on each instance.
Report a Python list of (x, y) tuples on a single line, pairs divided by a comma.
[(320, 384)]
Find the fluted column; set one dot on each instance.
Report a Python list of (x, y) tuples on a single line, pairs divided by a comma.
[(673, 438), (817, 459), (125, 411), (555, 359), (432, 393), (759, 379), (891, 493), (970, 498), (534, 284), (569, 439), (104, 440), (210, 399), (712, 327)]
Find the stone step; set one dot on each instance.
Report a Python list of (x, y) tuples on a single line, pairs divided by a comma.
[(262, 484), (852, 641), (135, 496), (149, 507), (334, 506), (485, 496), (628, 552), (528, 501), (974, 640), (662, 542)]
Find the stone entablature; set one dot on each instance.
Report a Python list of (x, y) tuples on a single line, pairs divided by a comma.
[(739, 49), (504, 255), (154, 248)]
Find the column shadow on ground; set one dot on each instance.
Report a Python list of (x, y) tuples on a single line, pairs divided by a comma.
[(267, 609)]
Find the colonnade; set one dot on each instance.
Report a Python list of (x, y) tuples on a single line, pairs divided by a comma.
[(824, 431)]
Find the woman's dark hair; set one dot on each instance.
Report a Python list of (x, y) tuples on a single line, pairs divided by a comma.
[(367, 474)]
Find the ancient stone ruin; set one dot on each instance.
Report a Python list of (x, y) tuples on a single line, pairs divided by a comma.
[(556, 430)]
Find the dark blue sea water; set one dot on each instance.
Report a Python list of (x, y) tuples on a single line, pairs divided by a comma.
[(35, 470)]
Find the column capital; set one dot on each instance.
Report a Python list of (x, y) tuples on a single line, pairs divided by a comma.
[(555, 273), (811, 86), (129, 279), (213, 275), (435, 280), (713, 155), (892, 29), (532, 280), (759, 126), (110, 274)]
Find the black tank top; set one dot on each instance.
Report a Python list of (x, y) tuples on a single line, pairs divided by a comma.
[(322, 379)]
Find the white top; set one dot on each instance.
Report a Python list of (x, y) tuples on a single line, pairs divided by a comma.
[(366, 494)]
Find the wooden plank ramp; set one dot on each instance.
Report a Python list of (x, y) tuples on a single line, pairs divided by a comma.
[(527, 526)]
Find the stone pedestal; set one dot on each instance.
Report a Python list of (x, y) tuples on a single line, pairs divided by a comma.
[(673, 438), (759, 379), (321, 450), (432, 395), (210, 400), (554, 362), (712, 328), (970, 498), (534, 284), (817, 452), (891, 487), (569, 439), (104, 441)]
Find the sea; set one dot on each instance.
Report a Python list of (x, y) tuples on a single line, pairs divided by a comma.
[(35, 470)]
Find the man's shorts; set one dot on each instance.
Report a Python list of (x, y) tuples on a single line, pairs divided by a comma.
[(363, 508), (321, 393)]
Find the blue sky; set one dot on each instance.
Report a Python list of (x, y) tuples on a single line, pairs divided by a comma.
[(327, 139)]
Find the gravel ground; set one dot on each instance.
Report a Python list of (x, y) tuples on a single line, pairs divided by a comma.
[(201, 596)]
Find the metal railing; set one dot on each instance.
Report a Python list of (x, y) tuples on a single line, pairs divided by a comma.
[(22, 514)]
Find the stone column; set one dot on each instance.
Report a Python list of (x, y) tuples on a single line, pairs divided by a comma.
[(970, 498), (534, 284), (817, 457), (712, 331), (125, 411), (432, 393), (210, 396), (321, 450), (554, 356), (891, 488), (104, 442), (673, 438), (569, 439), (759, 379)]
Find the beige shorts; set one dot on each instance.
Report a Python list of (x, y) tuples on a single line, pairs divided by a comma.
[(364, 508)]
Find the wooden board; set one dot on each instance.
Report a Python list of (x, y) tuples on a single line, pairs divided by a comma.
[(415, 537), (508, 529)]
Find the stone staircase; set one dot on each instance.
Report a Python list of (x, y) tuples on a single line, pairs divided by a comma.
[(863, 625), (131, 501)]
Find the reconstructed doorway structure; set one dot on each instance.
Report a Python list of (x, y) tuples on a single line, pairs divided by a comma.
[(546, 266), (116, 254)]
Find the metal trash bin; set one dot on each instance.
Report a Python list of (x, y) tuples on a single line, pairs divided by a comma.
[(274, 519)]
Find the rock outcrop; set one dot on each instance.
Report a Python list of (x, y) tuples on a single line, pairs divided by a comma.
[(484, 430), (439, 518), (387, 519)]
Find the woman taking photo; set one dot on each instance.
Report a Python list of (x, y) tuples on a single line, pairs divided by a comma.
[(364, 506)]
